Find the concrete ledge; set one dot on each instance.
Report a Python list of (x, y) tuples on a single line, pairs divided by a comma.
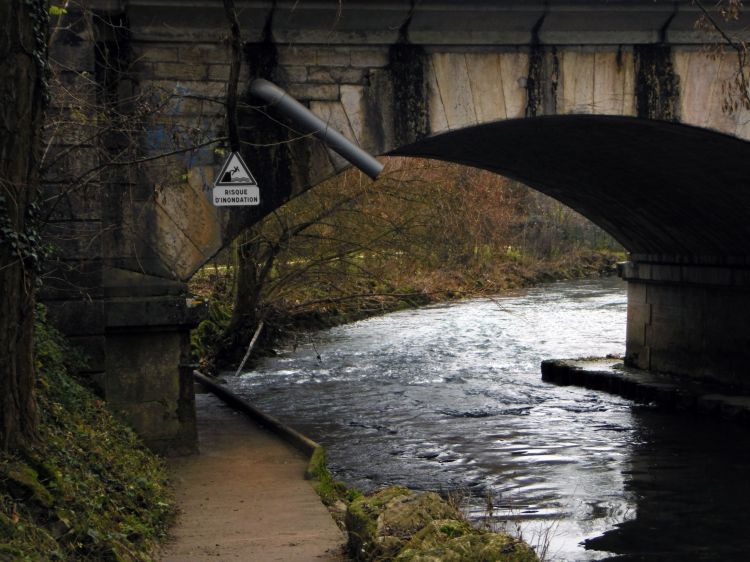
[(609, 375), (294, 437)]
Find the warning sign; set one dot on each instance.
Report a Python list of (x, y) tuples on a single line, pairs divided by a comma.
[(235, 185)]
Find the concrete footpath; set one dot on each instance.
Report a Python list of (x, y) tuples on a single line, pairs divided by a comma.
[(244, 497)]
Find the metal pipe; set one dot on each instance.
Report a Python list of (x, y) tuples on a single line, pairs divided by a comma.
[(307, 122)]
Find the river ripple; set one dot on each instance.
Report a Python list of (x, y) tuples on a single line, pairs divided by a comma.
[(449, 397)]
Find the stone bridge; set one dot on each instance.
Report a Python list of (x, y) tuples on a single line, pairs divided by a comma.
[(613, 108)]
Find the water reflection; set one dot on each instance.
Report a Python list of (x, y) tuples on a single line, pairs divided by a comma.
[(450, 398), (689, 479)]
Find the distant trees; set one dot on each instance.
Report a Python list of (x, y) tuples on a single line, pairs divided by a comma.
[(23, 89), (424, 227)]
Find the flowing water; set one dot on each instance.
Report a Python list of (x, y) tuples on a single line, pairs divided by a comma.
[(450, 398)]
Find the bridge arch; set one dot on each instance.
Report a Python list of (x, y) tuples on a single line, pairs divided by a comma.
[(660, 188)]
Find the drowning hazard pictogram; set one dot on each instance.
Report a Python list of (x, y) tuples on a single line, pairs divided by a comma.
[(235, 184)]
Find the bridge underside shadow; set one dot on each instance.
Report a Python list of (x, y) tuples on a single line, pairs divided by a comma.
[(659, 188), (676, 197)]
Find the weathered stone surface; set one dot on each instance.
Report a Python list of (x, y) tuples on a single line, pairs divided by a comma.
[(142, 368), (352, 101), (66, 167), (177, 71), (368, 58), (613, 79), (576, 94), (680, 323), (186, 86), (514, 68), (147, 386), (321, 92), (69, 203), (187, 231), (155, 53), (335, 74), (150, 312), (218, 72), (294, 74), (81, 317), (66, 279), (333, 56), (72, 57), (697, 72), (454, 89), (297, 55), (203, 53), (486, 83)]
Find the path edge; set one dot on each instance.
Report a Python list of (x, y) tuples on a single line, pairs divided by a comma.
[(301, 442)]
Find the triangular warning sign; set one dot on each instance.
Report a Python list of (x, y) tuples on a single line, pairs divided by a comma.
[(234, 172)]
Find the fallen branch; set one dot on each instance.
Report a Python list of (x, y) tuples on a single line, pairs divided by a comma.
[(250, 347)]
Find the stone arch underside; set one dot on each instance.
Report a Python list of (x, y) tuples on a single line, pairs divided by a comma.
[(664, 190)]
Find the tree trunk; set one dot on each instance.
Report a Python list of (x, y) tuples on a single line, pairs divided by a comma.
[(246, 288), (23, 55)]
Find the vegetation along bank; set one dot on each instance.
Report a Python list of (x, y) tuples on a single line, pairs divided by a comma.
[(426, 231)]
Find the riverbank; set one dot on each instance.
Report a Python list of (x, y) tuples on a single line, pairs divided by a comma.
[(304, 311), (423, 288)]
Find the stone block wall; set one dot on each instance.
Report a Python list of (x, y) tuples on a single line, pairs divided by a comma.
[(689, 320)]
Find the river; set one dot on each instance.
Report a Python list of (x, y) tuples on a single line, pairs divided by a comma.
[(450, 398)]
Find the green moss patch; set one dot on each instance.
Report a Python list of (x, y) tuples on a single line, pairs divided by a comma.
[(457, 541), (88, 489), (399, 524)]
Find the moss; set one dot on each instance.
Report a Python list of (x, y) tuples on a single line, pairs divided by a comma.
[(398, 524), (329, 489), (406, 68), (406, 515), (88, 489), (381, 524), (23, 483), (537, 79), (657, 83), (470, 547)]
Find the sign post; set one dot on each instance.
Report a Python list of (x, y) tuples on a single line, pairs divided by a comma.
[(235, 185)]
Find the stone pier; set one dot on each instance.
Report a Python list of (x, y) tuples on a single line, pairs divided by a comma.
[(689, 319)]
